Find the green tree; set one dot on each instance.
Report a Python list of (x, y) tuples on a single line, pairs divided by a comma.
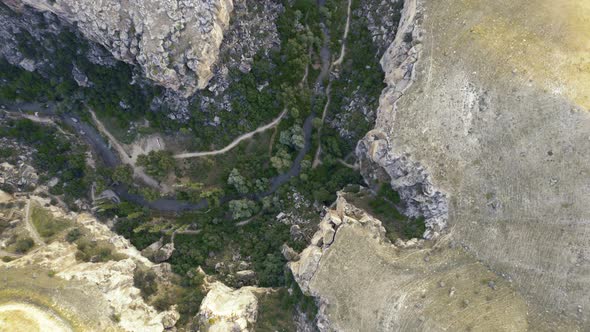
[(243, 208), (157, 163), (123, 174), (23, 245), (213, 196), (149, 193), (293, 137), (236, 180), (281, 160)]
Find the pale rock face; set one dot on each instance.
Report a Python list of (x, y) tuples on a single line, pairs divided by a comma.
[(175, 41), (225, 309), (362, 282), (5, 197), (109, 284), (483, 127)]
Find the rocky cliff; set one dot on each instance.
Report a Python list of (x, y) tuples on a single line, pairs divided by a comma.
[(227, 309), (175, 42), (50, 284), (484, 129), (363, 282)]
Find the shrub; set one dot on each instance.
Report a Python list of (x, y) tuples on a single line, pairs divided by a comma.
[(23, 245), (46, 224), (98, 251), (73, 235), (145, 280)]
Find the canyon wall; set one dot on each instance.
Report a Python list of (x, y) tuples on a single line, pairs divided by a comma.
[(174, 42), (484, 127)]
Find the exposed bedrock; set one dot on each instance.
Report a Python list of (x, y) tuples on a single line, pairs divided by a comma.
[(175, 42), (362, 282), (487, 102), (89, 295)]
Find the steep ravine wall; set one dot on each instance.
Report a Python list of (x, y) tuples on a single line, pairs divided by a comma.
[(379, 159), (174, 42)]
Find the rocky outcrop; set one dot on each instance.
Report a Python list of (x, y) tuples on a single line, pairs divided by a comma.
[(158, 251), (93, 295), (174, 42), (484, 110), (362, 282), (226, 309), (379, 160)]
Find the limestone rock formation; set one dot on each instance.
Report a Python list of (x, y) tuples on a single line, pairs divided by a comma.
[(483, 127), (90, 296), (362, 282), (174, 42), (158, 251), (226, 309)]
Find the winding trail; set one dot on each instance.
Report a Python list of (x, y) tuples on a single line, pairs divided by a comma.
[(317, 157), (235, 142), (30, 227), (167, 205), (344, 37), (138, 172)]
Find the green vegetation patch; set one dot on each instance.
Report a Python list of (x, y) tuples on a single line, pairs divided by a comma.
[(22, 245), (277, 308), (56, 154), (157, 163), (386, 206), (91, 250), (46, 224)]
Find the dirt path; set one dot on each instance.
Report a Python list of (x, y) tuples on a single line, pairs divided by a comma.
[(344, 36), (30, 227), (39, 119), (234, 143), (316, 159), (190, 232), (351, 166), (125, 157)]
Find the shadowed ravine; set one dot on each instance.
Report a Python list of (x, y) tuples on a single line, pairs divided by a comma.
[(168, 205)]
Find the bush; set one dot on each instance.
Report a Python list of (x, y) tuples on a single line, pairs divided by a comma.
[(145, 280), (123, 174), (241, 209), (73, 235), (46, 224), (95, 251), (23, 245), (157, 163)]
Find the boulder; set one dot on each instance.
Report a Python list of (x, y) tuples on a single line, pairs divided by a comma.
[(289, 253), (164, 253), (226, 309)]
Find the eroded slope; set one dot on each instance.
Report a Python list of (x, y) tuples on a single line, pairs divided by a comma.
[(50, 282)]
